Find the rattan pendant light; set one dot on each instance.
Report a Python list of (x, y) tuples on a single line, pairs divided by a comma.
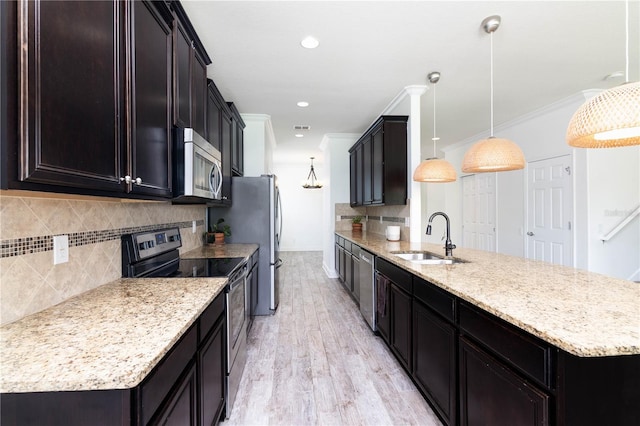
[(612, 118), (492, 154), (434, 170)]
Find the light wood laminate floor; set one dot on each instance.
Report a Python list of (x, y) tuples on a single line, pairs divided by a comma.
[(316, 361)]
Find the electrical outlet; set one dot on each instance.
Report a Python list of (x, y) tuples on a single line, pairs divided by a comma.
[(338, 218), (60, 249), (193, 227)]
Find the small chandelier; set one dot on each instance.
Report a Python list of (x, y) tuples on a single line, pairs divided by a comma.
[(492, 154), (612, 118), (312, 181), (434, 170)]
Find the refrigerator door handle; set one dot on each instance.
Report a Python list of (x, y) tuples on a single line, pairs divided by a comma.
[(279, 213)]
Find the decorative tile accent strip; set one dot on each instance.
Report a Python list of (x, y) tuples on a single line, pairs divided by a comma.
[(371, 217), (28, 245), (393, 219)]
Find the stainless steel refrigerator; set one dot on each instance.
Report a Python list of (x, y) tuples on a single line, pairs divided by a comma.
[(255, 217)]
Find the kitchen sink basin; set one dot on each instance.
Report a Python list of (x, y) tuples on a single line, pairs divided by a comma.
[(426, 258), (424, 255)]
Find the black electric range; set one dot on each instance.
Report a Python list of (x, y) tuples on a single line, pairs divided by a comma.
[(155, 254)]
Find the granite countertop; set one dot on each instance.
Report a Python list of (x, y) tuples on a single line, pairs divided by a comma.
[(110, 337), (583, 313)]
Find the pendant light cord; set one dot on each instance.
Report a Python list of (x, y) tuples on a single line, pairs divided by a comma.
[(626, 45), (434, 121), (491, 68)]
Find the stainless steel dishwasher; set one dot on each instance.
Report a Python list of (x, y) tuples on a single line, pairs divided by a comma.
[(367, 288)]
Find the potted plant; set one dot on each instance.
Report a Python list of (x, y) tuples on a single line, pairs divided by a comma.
[(217, 232), (356, 224)]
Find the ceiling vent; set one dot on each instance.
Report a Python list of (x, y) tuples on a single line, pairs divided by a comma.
[(301, 127)]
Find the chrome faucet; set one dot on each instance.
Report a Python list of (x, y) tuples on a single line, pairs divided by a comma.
[(448, 245)]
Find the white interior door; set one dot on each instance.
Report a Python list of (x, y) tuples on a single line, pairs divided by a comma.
[(479, 211), (550, 211)]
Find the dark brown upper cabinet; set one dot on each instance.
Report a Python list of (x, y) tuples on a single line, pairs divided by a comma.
[(71, 74), (378, 162), (190, 62), (95, 98), (219, 133), (237, 141), (150, 144)]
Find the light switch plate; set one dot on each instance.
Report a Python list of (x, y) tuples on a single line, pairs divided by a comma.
[(60, 249)]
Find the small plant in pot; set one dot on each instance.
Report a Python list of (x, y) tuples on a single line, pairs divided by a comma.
[(356, 224), (217, 232)]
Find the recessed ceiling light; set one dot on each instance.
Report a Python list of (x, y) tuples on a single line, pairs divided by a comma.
[(309, 42), (299, 135), (303, 104)]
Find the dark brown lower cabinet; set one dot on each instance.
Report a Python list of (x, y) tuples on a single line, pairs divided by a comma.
[(348, 271), (180, 410), (185, 388), (434, 360), (401, 321), (383, 316), (211, 376), (492, 394)]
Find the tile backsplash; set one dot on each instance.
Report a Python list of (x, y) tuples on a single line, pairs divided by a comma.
[(29, 282), (374, 218)]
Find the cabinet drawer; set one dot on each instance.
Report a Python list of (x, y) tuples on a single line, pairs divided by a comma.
[(399, 276), (435, 298), (530, 355), (165, 375), (210, 316), (347, 245)]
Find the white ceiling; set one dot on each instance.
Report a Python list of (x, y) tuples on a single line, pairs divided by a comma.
[(369, 51)]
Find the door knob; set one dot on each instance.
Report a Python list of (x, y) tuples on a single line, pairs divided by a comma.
[(531, 234)]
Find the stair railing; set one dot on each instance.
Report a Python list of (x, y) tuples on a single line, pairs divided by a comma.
[(621, 225)]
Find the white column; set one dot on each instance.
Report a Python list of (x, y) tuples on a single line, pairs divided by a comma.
[(414, 154)]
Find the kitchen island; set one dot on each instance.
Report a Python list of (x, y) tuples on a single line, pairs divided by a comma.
[(516, 341), (107, 339)]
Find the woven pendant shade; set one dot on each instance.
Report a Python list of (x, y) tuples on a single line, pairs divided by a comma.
[(615, 111), (434, 170), (493, 155)]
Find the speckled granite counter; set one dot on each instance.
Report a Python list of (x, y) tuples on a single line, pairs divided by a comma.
[(110, 337), (583, 313), (223, 250)]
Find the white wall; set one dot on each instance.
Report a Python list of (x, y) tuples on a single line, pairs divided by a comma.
[(302, 211), (614, 192), (259, 143), (336, 190), (603, 180)]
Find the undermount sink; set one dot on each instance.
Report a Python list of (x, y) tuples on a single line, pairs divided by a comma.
[(426, 258)]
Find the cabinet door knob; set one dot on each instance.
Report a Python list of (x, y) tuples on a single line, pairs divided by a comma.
[(531, 234), (129, 180)]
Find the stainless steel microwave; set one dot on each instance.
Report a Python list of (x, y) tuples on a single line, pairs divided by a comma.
[(197, 168)]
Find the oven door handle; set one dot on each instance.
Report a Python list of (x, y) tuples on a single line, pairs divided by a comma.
[(238, 278)]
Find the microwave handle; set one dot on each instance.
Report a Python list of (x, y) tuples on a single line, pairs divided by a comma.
[(216, 174)]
